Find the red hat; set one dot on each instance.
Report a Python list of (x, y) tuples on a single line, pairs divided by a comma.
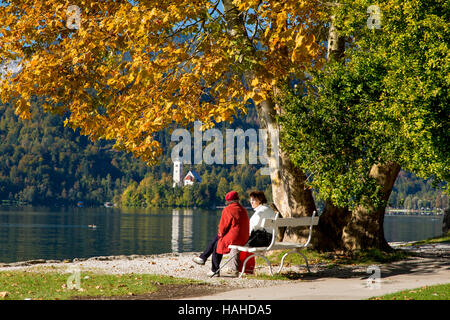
[(232, 195)]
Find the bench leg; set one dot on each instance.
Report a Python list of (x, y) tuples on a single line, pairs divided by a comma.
[(253, 255), (293, 251)]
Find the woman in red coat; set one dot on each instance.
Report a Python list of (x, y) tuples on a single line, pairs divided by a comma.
[(233, 229)]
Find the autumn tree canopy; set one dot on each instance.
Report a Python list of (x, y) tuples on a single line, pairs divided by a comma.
[(132, 69), (387, 102), (124, 71)]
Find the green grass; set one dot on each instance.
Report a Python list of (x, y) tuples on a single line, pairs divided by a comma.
[(437, 292), (295, 259), (365, 257), (441, 239), (21, 285), (374, 256), (282, 276), (328, 259)]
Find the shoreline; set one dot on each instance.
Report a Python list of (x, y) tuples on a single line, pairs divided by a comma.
[(406, 245), (180, 264), (429, 263)]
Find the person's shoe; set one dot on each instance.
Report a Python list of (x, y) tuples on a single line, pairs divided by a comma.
[(213, 274), (198, 260)]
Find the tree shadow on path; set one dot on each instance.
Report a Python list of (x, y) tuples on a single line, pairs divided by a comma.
[(423, 263)]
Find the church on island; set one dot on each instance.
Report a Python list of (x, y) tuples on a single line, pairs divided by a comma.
[(189, 179)]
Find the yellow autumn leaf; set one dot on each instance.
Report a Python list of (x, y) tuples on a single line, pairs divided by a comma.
[(258, 98), (298, 40)]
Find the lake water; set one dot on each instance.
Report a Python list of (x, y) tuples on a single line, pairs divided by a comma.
[(46, 233)]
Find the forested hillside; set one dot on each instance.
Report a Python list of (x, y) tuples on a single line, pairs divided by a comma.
[(44, 163), (414, 193)]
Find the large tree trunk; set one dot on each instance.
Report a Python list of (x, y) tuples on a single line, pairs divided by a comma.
[(336, 43), (288, 190), (328, 235), (343, 230), (362, 228), (365, 228), (446, 222)]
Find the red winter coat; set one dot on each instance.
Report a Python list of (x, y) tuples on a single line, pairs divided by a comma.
[(233, 227)]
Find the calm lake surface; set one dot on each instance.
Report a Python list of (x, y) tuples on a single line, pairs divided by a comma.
[(49, 233)]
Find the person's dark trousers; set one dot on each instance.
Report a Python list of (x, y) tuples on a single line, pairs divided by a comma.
[(211, 250)]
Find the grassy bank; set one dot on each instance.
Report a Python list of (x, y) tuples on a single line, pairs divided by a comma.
[(330, 259), (435, 240), (19, 285), (437, 292)]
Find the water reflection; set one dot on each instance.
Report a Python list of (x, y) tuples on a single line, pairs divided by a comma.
[(175, 230), (182, 230)]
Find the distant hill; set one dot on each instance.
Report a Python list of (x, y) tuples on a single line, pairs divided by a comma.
[(411, 192), (44, 163)]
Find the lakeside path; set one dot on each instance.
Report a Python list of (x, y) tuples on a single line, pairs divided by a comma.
[(430, 266)]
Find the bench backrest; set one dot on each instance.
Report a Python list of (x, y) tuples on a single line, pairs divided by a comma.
[(290, 222), (275, 223)]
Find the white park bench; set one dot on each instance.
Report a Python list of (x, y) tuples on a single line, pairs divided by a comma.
[(273, 225)]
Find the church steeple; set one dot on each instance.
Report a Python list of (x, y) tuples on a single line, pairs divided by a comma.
[(177, 173)]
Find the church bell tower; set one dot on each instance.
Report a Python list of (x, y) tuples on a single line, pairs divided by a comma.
[(177, 173)]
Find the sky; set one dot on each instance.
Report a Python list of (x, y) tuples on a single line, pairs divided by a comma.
[(13, 66)]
